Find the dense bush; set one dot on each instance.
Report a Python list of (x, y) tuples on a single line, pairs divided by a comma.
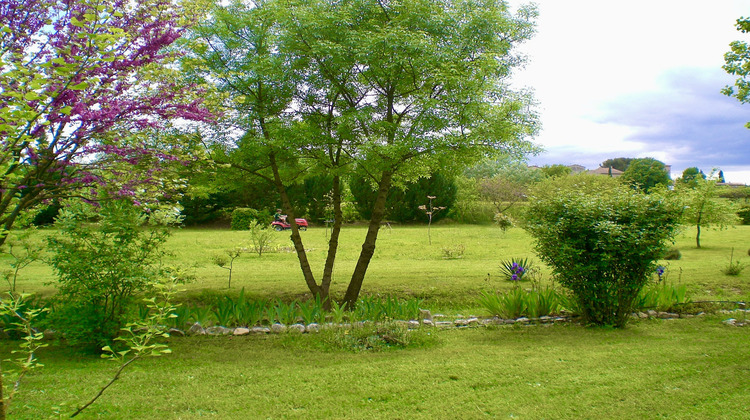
[(672, 254), (242, 218), (46, 215), (744, 214), (601, 240), (403, 204), (315, 197), (207, 209), (103, 258), (735, 193)]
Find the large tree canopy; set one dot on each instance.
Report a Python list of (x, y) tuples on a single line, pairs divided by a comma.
[(620, 163), (79, 81), (396, 87), (646, 173)]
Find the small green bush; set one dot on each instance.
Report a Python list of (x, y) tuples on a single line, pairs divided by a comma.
[(503, 221), (601, 239), (744, 214), (262, 237), (672, 254), (243, 217), (734, 268), (103, 266)]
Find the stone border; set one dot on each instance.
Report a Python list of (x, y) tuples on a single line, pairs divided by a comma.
[(428, 320)]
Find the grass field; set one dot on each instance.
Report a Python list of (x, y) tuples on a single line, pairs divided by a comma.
[(405, 265), (682, 369)]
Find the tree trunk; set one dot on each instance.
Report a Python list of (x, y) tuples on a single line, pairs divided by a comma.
[(286, 204), (333, 242), (368, 247), (698, 226)]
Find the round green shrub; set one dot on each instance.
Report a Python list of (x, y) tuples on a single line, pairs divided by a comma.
[(601, 239), (672, 254), (243, 217)]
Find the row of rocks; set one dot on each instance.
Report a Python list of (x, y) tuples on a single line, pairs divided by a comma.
[(427, 320), (664, 315)]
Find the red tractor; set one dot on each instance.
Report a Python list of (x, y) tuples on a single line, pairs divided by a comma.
[(281, 224)]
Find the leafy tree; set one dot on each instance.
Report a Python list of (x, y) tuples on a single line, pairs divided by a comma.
[(691, 177), (737, 63), (556, 170), (502, 192), (601, 240), (703, 208), (76, 75), (620, 163), (397, 87), (469, 207), (509, 167), (646, 173)]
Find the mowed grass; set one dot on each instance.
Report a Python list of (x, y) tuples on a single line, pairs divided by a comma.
[(679, 369), (684, 369), (406, 265)]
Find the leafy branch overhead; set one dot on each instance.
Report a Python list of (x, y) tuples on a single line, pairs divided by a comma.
[(73, 102), (737, 63)]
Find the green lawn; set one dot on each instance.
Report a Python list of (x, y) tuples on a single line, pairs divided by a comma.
[(678, 369), (405, 265), (687, 368)]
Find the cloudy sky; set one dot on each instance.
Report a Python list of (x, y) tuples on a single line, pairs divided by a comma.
[(640, 78)]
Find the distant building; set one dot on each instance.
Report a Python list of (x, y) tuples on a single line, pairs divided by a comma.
[(605, 171), (576, 169), (731, 184)]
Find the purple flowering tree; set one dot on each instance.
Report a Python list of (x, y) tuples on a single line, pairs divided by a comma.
[(85, 88)]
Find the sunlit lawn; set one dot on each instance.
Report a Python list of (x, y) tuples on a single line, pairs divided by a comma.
[(679, 369), (406, 265), (687, 368)]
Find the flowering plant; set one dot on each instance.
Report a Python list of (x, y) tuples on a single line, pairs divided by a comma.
[(660, 271), (515, 269)]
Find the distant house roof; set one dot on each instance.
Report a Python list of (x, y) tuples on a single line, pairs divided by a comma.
[(576, 169), (605, 171), (731, 184)]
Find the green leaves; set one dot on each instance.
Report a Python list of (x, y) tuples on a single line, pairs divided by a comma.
[(601, 239), (737, 63)]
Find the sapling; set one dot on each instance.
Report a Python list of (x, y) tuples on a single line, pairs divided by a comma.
[(24, 249), (14, 305), (262, 237), (228, 258), (430, 211)]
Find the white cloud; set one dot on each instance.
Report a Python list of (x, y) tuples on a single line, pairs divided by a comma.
[(639, 78)]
